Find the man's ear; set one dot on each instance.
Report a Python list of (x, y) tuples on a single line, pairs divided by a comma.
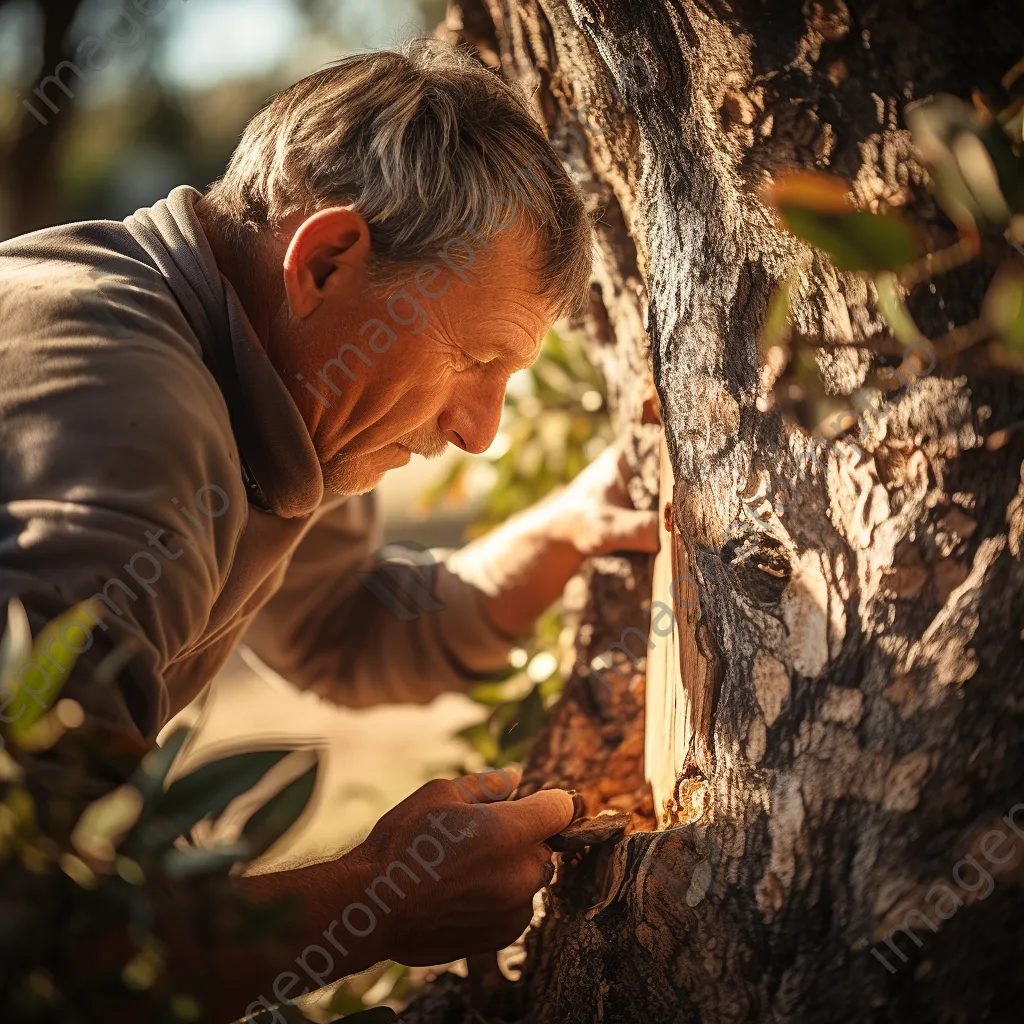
[(329, 250)]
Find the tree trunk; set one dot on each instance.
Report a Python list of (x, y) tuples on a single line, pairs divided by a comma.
[(839, 722), (29, 175)]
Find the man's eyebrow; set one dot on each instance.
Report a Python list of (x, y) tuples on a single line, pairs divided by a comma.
[(522, 364), (488, 352)]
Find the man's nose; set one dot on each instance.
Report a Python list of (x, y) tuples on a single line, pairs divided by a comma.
[(471, 418)]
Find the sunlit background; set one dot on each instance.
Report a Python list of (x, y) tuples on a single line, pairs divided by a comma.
[(164, 91)]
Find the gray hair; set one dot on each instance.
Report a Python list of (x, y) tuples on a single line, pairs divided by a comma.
[(427, 145)]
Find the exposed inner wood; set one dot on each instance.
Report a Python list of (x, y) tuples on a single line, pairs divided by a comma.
[(680, 684)]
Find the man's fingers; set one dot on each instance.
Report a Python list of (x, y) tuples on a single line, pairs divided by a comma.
[(489, 787), (540, 816)]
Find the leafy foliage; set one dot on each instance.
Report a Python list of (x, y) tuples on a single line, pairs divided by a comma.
[(1004, 307), (816, 207), (518, 704), (974, 154), (973, 159), (92, 878)]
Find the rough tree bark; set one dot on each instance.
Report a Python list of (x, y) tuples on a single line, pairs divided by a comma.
[(863, 668)]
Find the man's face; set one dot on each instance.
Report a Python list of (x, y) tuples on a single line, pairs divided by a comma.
[(389, 370)]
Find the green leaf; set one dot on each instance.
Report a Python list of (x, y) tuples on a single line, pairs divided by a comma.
[(102, 825), (495, 691), (50, 660), (857, 240), (532, 713), (184, 1006), (894, 309), (206, 791), (279, 813), (480, 738), (809, 190), (488, 694), (551, 688), (1003, 307), (506, 691), (16, 646), (146, 967), (343, 1001), (1009, 166), (975, 172)]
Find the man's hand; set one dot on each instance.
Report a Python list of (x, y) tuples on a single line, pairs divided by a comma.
[(594, 512), (478, 858), (449, 872), (523, 565)]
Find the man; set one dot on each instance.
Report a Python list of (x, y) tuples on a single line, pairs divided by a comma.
[(196, 402)]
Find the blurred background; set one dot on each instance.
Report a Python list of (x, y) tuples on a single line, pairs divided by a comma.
[(105, 106), (156, 92)]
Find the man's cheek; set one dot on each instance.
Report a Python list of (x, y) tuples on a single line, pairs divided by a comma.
[(428, 392), (403, 413)]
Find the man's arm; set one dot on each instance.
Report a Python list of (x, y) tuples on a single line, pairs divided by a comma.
[(109, 441), (408, 635)]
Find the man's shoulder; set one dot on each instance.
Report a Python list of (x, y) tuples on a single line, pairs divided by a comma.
[(87, 300), (56, 254), (93, 342), (88, 278)]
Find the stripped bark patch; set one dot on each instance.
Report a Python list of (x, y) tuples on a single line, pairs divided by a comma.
[(805, 612)]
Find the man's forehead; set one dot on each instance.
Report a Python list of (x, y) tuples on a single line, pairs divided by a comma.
[(510, 305), (499, 296), (512, 258), (518, 327)]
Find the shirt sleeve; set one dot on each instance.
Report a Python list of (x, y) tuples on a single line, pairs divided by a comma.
[(361, 624)]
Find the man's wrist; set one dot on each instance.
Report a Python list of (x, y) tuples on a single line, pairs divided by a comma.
[(352, 916), (331, 896)]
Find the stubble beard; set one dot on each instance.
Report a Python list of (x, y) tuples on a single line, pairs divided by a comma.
[(343, 474), (351, 474)]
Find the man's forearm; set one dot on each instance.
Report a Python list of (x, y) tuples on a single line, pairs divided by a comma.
[(520, 568), (312, 952)]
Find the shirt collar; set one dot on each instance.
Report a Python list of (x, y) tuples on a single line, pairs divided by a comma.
[(272, 438)]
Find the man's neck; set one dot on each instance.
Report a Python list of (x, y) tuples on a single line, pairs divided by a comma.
[(258, 290)]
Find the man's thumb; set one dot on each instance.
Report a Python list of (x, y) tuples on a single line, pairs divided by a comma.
[(540, 815)]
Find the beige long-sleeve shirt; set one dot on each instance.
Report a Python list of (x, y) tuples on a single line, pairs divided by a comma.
[(153, 465)]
